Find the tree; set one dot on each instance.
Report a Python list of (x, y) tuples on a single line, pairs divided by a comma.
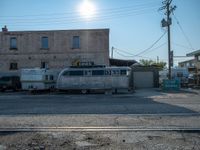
[(146, 62), (161, 65)]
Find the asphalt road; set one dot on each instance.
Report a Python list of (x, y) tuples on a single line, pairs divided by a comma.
[(141, 102)]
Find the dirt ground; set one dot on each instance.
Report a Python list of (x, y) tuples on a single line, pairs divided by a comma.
[(100, 140)]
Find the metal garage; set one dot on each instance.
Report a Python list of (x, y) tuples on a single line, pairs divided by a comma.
[(143, 79)]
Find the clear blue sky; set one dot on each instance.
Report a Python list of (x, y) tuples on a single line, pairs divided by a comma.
[(134, 24)]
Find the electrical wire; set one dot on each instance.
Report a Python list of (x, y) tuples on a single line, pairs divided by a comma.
[(99, 19), (149, 48), (106, 14), (161, 45), (119, 53), (73, 18), (73, 12), (180, 45), (132, 55), (184, 34)]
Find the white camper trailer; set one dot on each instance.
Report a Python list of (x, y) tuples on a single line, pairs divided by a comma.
[(38, 79)]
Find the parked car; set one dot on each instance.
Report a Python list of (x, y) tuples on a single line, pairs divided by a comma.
[(10, 83)]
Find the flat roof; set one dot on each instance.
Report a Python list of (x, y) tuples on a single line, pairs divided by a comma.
[(191, 60), (193, 53), (57, 30)]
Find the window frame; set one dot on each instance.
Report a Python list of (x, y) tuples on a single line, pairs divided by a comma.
[(44, 45), (76, 42), (13, 66), (11, 43), (44, 65)]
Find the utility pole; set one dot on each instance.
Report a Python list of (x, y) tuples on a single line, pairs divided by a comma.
[(112, 52), (157, 59), (167, 23)]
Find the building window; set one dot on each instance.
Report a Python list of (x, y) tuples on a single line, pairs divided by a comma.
[(45, 43), (13, 43), (44, 65), (13, 66), (76, 42)]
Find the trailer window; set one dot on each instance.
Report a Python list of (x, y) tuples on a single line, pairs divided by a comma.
[(97, 72), (88, 72), (123, 72), (107, 72), (115, 72), (76, 73), (46, 77), (66, 73), (51, 77)]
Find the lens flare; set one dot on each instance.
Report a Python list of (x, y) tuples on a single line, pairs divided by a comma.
[(87, 9)]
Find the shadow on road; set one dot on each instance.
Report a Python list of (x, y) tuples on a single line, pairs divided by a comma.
[(137, 103)]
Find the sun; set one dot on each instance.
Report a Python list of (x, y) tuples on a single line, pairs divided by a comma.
[(87, 9)]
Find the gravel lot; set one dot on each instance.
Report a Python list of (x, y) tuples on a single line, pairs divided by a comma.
[(101, 141), (142, 109)]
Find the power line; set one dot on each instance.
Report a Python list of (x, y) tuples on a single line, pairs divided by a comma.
[(161, 45), (181, 28), (76, 18), (180, 45), (133, 55), (139, 54), (111, 17), (119, 53), (152, 44), (74, 12)]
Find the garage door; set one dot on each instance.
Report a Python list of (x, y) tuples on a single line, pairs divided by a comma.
[(143, 79)]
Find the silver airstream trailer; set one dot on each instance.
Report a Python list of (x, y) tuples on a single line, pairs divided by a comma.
[(94, 78)]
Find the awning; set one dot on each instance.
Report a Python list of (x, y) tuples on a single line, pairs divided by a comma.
[(193, 53)]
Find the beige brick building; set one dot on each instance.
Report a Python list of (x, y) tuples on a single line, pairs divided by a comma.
[(52, 49)]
